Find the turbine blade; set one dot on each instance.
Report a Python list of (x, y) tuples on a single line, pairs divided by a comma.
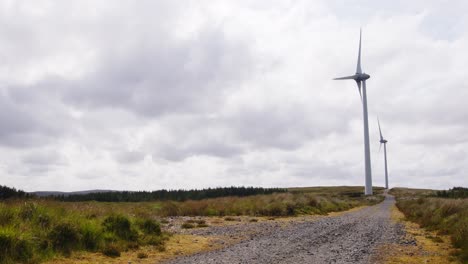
[(358, 68), (352, 77), (380, 131), (359, 88), (380, 147)]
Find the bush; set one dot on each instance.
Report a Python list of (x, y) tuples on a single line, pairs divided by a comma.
[(23, 251), (170, 209), (65, 237), (92, 237), (43, 220), (111, 251), (6, 215), (187, 225), (27, 211), (150, 227), (14, 249), (275, 209), (142, 255), (7, 242), (120, 226)]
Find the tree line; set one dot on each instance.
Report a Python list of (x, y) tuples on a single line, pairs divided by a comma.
[(455, 192), (7, 193), (164, 195)]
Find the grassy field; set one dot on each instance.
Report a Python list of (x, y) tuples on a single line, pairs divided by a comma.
[(34, 230), (447, 216)]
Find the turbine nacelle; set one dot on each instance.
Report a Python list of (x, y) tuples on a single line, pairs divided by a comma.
[(383, 141), (361, 76)]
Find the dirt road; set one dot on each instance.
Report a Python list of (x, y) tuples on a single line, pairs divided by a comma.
[(348, 238)]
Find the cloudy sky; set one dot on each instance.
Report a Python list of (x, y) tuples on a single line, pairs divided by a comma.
[(144, 95)]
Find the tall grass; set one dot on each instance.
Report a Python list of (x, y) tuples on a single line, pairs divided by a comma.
[(33, 231), (447, 216)]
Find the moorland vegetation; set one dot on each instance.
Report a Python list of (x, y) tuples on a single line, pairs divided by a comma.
[(443, 211)]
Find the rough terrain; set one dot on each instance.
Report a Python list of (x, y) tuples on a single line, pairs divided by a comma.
[(348, 238)]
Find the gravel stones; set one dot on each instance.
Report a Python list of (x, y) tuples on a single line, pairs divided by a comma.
[(348, 238)]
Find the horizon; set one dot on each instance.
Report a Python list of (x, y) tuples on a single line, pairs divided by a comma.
[(214, 187)]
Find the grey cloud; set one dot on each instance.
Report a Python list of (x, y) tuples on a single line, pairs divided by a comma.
[(26, 124), (33, 114), (286, 127), (44, 157), (179, 151), (129, 156), (179, 76)]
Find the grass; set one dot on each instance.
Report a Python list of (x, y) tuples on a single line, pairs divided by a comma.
[(37, 230), (429, 247), (443, 215)]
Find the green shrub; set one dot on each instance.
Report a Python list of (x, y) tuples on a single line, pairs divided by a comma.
[(170, 209), (187, 225), (23, 251), (111, 251), (7, 243), (92, 236), (14, 249), (120, 226), (28, 210), (43, 221), (211, 212), (275, 209), (7, 215), (150, 227), (65, 237)]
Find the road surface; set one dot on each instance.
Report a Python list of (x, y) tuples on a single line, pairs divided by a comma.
[(348, 238)]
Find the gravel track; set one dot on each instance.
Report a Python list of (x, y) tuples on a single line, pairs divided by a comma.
[(348, 238)]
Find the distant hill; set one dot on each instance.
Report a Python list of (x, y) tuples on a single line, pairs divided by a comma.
[(56, 193)]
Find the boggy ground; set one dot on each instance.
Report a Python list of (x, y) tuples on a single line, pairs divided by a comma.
[(351, 237)]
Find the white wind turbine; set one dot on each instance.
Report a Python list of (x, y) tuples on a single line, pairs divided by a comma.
[(360, 78), (384, 142)]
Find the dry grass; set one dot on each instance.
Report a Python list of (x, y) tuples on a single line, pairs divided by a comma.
[(442, 217), (177, 245), (426, 250)]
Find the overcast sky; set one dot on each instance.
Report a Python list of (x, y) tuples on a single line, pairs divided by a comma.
[(144, 95)]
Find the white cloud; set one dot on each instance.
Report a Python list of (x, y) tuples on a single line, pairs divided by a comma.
[(150, 95)]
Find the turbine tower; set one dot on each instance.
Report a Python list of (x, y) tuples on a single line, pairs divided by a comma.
[(384, 142), (360, 78)]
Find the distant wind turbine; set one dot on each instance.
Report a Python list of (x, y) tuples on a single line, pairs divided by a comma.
[(384, 142), (360, 78)]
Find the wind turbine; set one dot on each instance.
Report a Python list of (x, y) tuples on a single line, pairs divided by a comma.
[(360, 78), (384, 142)]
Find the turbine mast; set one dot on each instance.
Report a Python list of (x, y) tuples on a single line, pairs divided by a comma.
[(368, 169), (386, 168), (384, 142)]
